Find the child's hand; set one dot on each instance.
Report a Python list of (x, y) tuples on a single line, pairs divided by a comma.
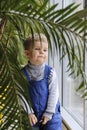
[(45, 120), (32, 119)]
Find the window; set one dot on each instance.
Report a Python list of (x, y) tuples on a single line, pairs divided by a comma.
[(74, 108), (72, 102)]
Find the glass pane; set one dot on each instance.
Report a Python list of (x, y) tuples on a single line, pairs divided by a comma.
[(72, 101), (67, 2)]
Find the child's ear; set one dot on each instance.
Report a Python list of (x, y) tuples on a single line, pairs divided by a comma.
[(27, 54)]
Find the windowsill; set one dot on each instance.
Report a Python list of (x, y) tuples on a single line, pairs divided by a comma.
[(69, 122)]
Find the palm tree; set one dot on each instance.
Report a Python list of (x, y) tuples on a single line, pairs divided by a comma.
[(19, 18)]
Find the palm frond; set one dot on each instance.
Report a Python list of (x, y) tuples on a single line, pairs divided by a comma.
[(11, 86)]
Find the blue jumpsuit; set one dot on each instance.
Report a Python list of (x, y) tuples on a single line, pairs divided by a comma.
[(38, 92)]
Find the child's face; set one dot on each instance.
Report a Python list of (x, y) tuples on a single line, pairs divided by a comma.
[(38, 54)]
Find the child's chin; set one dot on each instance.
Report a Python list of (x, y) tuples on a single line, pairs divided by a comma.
[(40, 63)]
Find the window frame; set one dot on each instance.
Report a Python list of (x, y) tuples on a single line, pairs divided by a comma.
[(68, 120)]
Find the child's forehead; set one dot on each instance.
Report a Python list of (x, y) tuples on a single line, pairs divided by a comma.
[(37, 37), (39, 43)]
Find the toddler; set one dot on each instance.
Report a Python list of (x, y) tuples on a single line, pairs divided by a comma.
[(42, 89)]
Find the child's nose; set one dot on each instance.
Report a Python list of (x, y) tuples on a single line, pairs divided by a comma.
[(41, 51)]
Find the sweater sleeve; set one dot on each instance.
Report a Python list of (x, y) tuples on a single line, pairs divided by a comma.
[(53, 94), (25, 105)]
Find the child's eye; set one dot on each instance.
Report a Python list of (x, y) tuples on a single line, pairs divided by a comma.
[(37, 48), (45, 50)]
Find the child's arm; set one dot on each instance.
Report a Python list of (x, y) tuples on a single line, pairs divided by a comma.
[(53, 94), (26, 107)]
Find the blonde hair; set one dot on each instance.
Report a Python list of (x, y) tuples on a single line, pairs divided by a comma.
[(31, 39)]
